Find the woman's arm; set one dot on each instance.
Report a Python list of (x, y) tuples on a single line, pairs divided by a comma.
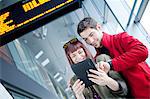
[(101, 78), (116, 86), (112, 84), (123, 90)]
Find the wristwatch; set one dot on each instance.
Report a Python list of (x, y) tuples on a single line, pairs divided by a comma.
[(111, 66)]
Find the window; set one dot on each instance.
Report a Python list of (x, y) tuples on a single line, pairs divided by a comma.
[(145, 18)]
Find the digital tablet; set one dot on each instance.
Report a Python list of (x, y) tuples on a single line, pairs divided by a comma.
[(81, 70)]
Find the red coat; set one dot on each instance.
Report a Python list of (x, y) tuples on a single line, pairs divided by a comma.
[(129, 56)]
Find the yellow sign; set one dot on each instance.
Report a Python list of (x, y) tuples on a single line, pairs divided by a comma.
[(33, 4), (9, 25), (4, 26)]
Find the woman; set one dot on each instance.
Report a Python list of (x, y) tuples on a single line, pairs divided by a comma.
[(107, 86)]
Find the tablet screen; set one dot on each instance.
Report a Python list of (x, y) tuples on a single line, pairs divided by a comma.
[(81, 70)]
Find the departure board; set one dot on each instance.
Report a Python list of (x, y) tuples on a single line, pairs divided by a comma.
[(26, 15)]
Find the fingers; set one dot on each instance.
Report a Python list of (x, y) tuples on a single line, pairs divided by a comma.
[(78, 87), (76, 83), (99, 77), (100, 65), (94, 80), (101, 71), (96, 72), (103, 66), (93, 76), (69, 84)]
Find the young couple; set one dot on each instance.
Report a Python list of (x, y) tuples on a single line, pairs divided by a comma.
[(121, 53)]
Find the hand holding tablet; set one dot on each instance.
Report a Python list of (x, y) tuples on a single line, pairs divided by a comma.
[(81, 70)]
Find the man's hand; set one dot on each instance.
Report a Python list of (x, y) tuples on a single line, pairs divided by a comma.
[(103, 66)]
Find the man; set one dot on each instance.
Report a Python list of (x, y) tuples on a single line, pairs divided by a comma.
[(128, 55)]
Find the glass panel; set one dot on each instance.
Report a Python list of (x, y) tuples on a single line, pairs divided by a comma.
[(109, 22), (145, 18), (19, 96), (130, 4), (4, 94), (24, 61), (50, 60), (40, 54), (6, 3)]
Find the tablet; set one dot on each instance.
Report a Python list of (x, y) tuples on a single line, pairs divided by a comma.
[(81, 70)]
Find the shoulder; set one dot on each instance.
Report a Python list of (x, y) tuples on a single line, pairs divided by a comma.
[(102, 57), (121, 35)]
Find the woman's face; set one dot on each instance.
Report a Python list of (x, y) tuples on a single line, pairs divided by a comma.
[(78, 55)]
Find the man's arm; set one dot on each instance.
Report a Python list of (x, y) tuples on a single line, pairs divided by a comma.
[(134, 52)]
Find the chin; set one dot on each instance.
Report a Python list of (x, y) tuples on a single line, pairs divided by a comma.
[(83, 59), (97, 46)]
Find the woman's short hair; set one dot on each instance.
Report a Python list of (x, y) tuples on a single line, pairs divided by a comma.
[(72, 46)]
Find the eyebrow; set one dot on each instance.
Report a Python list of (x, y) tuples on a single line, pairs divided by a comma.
[(88, 35), (91, 33)]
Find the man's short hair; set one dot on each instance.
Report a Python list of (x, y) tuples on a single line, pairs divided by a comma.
[(87, 22)]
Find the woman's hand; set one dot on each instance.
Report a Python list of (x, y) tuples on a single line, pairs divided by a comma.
[(78, 88), (99, 77)]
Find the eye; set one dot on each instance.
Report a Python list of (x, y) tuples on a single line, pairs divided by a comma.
[(91, 34), (73, 55), (85, 39), (80, 52)]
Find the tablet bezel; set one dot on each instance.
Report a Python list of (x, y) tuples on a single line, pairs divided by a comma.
[(81, 70)]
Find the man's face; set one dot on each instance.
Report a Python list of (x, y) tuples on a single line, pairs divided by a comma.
[(92, 36)]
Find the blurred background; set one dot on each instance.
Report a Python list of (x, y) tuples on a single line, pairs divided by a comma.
[(34, 66)]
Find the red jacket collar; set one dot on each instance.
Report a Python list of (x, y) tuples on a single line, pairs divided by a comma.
[(106, 40)]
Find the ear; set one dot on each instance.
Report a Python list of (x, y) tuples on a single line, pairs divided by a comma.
[(98, 26)]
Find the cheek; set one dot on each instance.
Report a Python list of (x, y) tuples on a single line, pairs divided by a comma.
[(74, 60), (96, 38), (84, 55)]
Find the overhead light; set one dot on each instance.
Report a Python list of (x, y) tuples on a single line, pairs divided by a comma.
[(59, 79), (56, 75), (39, 54), (45, 62)]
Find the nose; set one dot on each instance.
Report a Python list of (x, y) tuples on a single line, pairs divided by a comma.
[(90, 40), (79, 58)]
